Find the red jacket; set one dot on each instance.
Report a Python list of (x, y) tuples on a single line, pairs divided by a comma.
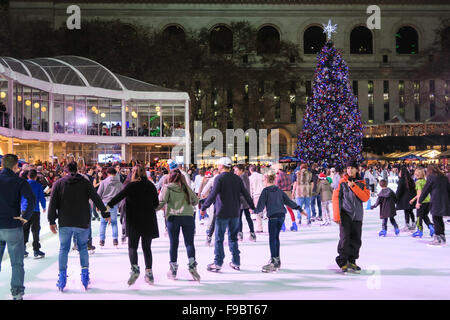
[(362, 194)]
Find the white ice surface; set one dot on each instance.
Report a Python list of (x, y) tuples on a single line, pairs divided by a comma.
[(393, 268)]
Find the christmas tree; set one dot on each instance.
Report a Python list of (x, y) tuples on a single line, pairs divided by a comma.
[(332, 128)]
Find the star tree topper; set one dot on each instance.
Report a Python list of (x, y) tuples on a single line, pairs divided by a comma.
[(329, 29)]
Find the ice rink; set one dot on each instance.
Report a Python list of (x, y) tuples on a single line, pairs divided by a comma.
[(393, 268)]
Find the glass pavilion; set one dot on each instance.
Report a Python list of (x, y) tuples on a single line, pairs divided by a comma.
[(70, 105)]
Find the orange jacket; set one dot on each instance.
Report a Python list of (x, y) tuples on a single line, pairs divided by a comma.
[(363, 195)]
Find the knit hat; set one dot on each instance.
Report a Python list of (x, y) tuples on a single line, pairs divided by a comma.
[(173, 165), (322, 176), (208, 174), (352, 163)]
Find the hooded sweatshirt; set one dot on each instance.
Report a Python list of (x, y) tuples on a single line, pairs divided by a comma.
[(69, 202), (274, 199), (109, 188), (386, 198), (175, 198)]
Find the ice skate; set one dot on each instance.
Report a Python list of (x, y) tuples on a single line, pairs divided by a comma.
[(172, 273), (149, 277), (85, 278), (208, 241), (412, 226), (294, 226), (62, 279), (101, 243), (25, 254), (397, 231), (431, 227), (353, 267), (235, 266), (344, 268), (252, 237), (38, 254), (418, 233), (133, 275), (193, 269), (272, 266), (283, 227), (213, 267), (91, 249), (437, 242), (116, 243), (382, 233), (240, 236)]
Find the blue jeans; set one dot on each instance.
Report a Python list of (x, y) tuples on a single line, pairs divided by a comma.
[(233, 228), (187, 225), (16, 250), (315, 199), (75, 241), (274, 236), (307, 202), (103, 224), (65, 236)]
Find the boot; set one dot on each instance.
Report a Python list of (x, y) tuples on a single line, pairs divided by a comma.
[(213, 267), (62, 279), (149, 276), (115, 243), (134, 274), (208, 241), (397, 231), (270, 267), (443, 240), (418, 233), (352, 266), (85, 277), (283, 227), (437, 242), (294, 226), (412, 226), (101, 243), (172, 273), (382, 233), (431, 227), (252, 236), (193, 269), (240, 236)]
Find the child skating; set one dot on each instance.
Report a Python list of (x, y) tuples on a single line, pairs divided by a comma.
[(386, 200)]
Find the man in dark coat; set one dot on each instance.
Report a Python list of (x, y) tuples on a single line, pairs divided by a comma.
[(387, 199), (406, 190), (438, 186), (69, 203), (225, 195)]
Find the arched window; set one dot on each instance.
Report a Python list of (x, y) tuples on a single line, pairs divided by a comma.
[(175, 32), (268, 41), (313, 40), (446, 39), (221, 40), (361, 41), (407, 40)]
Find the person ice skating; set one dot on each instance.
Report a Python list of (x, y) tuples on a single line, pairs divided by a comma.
[(325, 192), (438, 187), (69, 203), (225, 195), (302, 190), (34, 223), (197, 183), (274, 200), (283, 182), (108, 189), (141, 223), (406, 190), (348, 211), (422, 212), (212, 209), (12, 189), (256, 186), (239, 170), (179, 198), (315, 197), (386, 200)]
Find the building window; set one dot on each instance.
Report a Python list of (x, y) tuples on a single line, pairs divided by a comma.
[(261, 90), (308, 90), (432, 99), (313, 40), (407, 41), (268, 41), (371, 101), (174, 33), (277, 100), (245, 58), (385, 58), (386, 100), (221, 40), (401, 98), (361, 41), (293, 105), (417, 100), (355, 92), (446, 39)]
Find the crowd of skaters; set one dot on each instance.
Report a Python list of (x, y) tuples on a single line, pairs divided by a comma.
[(221, 195)]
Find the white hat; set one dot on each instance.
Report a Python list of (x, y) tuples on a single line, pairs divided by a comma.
[(224, 161)]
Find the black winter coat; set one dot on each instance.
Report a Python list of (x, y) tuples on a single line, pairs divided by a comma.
[(69, 202), (438, 187), (404, 196), (141, 199), (386, 200)]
